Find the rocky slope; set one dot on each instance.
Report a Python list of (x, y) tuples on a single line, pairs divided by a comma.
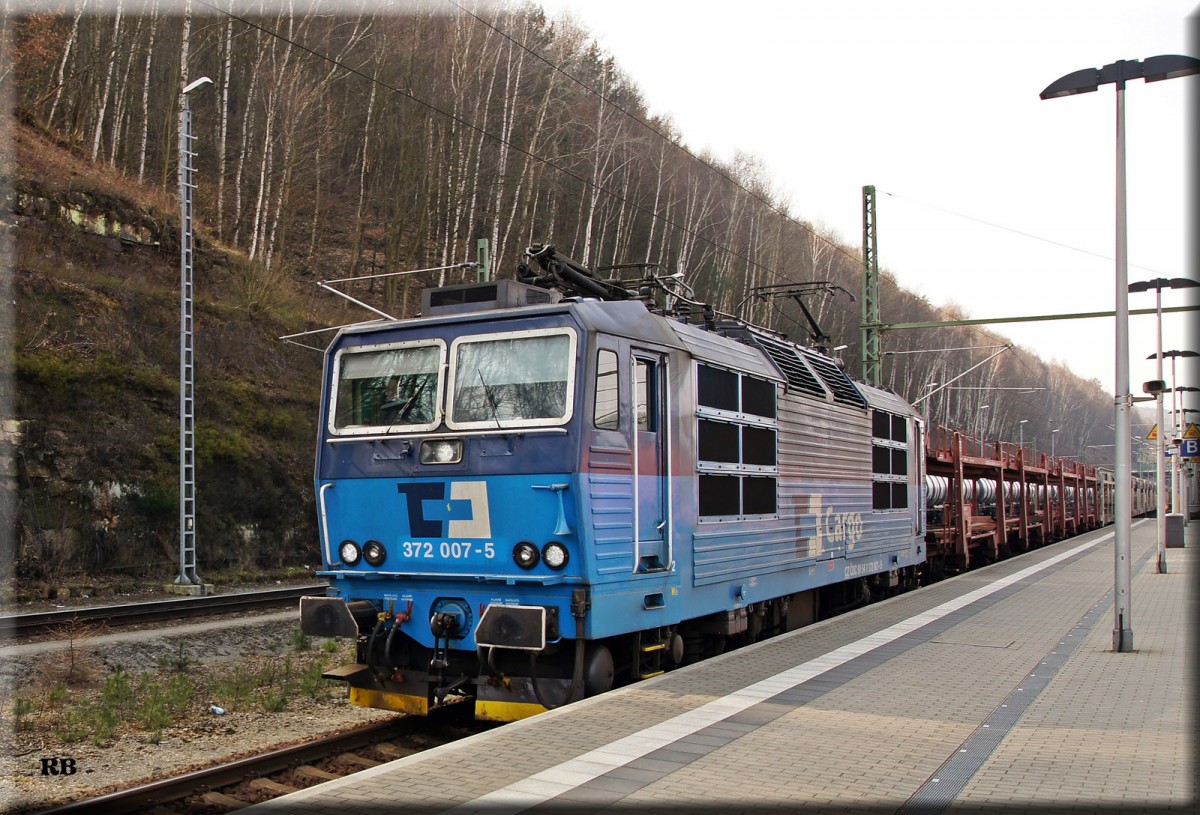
[(89, 442)]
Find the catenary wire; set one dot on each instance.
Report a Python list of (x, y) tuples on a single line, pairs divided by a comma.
[(715, 245), (1029, 235), (408, 94), (716, 169)]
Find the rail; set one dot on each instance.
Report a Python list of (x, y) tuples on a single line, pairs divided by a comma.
[(24, 625), (200, 790)]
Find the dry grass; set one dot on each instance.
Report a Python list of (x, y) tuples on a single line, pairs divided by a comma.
[(58, 167), (78, 698)]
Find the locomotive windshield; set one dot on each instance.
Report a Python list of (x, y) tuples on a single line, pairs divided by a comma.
[(389, 388), (512, 380)]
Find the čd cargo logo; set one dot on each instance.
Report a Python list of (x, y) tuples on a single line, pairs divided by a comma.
[(834, 528), (433, 514)]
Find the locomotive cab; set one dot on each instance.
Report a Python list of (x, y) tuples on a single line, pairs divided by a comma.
[(449, 475)]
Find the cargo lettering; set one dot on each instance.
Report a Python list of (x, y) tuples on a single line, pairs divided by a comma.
[(835, 527)]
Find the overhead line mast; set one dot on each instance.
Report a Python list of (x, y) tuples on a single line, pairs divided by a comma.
[(870, 299)]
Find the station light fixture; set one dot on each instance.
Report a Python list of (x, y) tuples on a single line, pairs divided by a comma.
[(1153, 69), (1157, 387)]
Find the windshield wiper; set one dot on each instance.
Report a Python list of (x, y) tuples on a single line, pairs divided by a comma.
[(491, 400), (407, 406)]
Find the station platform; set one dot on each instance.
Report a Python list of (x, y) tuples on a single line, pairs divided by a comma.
[(993, 691)]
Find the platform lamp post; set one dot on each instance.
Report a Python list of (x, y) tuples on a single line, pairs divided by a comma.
[(187, 405), (1021, 427), (1179, 427), (1052, 432), (1160, 453), (1183, 484), (1153, 69)]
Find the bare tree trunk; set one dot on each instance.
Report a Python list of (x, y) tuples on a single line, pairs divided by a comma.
[(480, 119), (247, 138), (80, 5), (363, 170), (621, 237), (290, 106), (316, 219), (280, 203), (119, 118), (658, 185), (352, 41), (512, 85), (146, 91), (102, 108), (184, 41), (223, 134), (528, 173), (594, 192), (461, 144), (552, 220), (697, 209), (264, 176)]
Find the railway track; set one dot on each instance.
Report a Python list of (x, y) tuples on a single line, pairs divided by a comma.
[(25, 625), (228, 787)]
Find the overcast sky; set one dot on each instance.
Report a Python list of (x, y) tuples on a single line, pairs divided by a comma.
[(988, 197)]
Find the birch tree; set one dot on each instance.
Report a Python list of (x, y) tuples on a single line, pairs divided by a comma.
[(102, 106), (60, 83), (141, 173)]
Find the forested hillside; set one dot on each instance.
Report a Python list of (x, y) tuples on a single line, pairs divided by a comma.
[(333, 143)]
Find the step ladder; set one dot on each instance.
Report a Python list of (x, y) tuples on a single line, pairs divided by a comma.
[(649, 648)]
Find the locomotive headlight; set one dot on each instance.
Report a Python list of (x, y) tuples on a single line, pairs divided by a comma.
[(441, 451), (554, 555), (349, 553), (374, 552), (525, 554)]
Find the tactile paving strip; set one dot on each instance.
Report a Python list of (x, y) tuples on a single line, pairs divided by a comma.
[(944, 786)]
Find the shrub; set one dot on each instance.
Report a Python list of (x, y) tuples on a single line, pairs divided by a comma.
[(21, 709), (234, 690), (313, 684), (301, 641), (158, 500), (161, 702), (180, 663), (228, 446), (117, 704), (72, 725)]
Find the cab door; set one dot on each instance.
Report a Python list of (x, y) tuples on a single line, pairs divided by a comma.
[(650, 443)]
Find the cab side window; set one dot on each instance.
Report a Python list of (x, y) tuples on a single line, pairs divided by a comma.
[(608, 396)]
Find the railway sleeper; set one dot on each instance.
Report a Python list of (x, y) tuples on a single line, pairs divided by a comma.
[(223, 801), (316, 775), (272, 788)]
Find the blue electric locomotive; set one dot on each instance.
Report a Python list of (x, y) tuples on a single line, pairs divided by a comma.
[(537, 490)]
